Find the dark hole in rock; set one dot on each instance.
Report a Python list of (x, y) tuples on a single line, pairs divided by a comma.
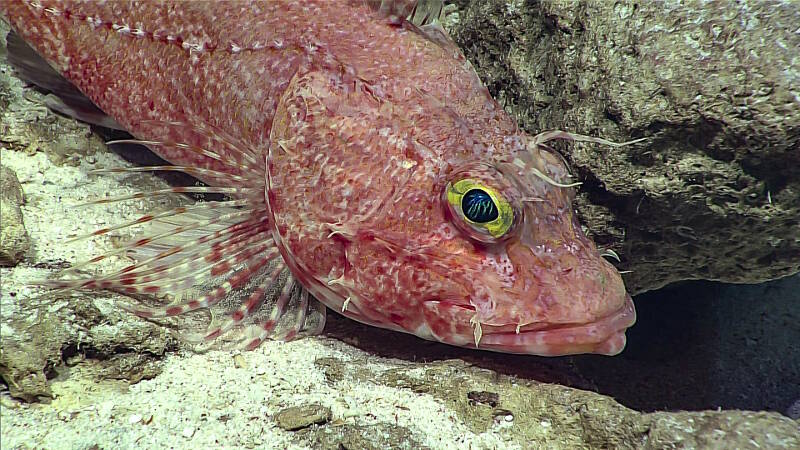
[(696, 346)]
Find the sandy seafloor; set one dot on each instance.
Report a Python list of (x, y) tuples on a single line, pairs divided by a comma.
[(205, 401)]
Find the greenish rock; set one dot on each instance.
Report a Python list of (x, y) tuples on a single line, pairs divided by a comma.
[(715, 191), (553, 416), (14, 239), (721, 430), (47, 331), (299, 417), (360, 437)]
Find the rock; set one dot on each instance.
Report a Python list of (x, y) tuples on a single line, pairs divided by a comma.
[(721, 430), (14, 240), (379, 403), (299, 417), (715, 191), (365, 437), (42, 334), (793, 411)]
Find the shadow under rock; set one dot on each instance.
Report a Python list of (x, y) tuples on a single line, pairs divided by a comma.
[(695, 346)]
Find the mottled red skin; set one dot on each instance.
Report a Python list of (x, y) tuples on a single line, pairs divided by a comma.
[(362, 122)]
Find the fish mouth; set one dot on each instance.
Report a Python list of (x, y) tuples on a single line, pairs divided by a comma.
[(605, 336)]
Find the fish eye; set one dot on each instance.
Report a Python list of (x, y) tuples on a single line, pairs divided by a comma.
[(478, 206), (480, 210)]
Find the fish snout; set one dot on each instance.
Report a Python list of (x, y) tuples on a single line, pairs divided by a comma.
[(560, 303)]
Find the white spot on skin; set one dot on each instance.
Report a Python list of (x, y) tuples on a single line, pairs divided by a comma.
[(500, 264), (121, 29), (445, 232)]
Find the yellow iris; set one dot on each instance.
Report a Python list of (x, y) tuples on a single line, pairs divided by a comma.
[(478, 196)]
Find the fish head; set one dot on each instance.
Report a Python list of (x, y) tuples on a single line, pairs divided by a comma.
[(399, 216), (530, 280)]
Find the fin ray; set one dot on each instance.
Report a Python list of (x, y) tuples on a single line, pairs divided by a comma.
[(217, 256)]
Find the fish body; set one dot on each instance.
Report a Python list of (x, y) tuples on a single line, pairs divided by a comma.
[(361, 153)]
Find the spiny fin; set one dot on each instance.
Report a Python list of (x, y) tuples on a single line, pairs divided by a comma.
[(420, 16), (435, 33), (392, 9), (426, 12), (269, 304), (65, 98), (424, 19)]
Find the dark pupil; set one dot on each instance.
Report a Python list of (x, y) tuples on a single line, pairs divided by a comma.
[(478, 206)]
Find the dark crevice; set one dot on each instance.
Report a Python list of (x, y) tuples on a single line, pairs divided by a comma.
[(72, 350), (695, 346)]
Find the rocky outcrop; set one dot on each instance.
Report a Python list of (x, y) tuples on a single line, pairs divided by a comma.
[(14, 240), (715, 191)]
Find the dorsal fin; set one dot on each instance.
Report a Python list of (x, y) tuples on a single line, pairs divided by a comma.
[(435, 33), (418, 12), (426, 12), (421, 17)]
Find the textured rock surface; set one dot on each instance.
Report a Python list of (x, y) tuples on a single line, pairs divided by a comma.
[(715, 192), (14, 240), (299, 417), (45, 335)]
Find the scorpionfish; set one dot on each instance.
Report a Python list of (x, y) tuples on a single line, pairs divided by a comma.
[(358, 161)]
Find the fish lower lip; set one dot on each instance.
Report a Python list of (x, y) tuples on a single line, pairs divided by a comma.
[(605, 336)]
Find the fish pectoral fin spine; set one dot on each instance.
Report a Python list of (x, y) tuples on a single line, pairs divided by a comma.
[(477, 331)]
